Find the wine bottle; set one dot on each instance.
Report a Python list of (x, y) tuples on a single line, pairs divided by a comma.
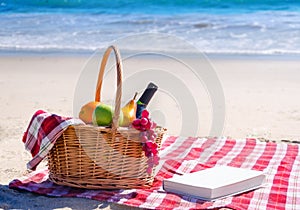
[(145, 98)]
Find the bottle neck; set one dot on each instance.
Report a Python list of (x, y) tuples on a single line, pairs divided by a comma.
[(140, 103)]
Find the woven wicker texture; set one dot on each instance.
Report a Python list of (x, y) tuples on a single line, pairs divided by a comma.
[(94, 157)]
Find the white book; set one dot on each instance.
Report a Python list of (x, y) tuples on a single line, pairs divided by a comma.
[(215, 183)]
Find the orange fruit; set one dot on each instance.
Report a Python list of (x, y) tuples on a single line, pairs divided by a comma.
[(87, 110)]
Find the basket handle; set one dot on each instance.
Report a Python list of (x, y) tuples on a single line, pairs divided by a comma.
[(119, 67)]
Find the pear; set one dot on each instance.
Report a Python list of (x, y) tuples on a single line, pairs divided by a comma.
[(129, 112)]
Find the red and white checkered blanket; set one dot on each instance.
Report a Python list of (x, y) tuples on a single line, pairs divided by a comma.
[(280, 162), (42, 132)]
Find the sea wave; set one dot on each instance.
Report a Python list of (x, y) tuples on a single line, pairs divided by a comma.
[(35, 25)]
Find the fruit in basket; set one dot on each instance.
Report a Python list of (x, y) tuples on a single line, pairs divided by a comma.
[(147, 138), (103, 115), (87, 110), (129, 112)]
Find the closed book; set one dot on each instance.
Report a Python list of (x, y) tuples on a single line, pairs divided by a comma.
[(215, 183)]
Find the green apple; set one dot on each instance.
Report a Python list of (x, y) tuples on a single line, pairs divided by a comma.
[(103, 114)]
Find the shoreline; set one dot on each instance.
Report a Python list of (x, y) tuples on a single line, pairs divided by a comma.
[(210, 55)]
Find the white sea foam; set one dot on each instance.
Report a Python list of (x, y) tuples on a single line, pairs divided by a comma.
[(261, 32)]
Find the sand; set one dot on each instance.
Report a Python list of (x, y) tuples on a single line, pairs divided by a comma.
[(261, 100)]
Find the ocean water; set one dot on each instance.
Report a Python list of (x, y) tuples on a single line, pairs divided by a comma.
[(212, 26)]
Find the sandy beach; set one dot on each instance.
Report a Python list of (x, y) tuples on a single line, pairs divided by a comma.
[(247, 88), (261, 98)]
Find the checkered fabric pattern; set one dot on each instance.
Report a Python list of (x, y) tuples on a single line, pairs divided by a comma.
[(42, 132), (279, 161)]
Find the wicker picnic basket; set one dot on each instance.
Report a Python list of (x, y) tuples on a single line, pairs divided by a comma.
[(95, 157)]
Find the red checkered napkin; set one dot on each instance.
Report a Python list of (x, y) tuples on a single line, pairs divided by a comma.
[(42, 133)]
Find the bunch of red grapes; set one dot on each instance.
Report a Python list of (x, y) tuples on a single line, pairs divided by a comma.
[(147, 137)]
